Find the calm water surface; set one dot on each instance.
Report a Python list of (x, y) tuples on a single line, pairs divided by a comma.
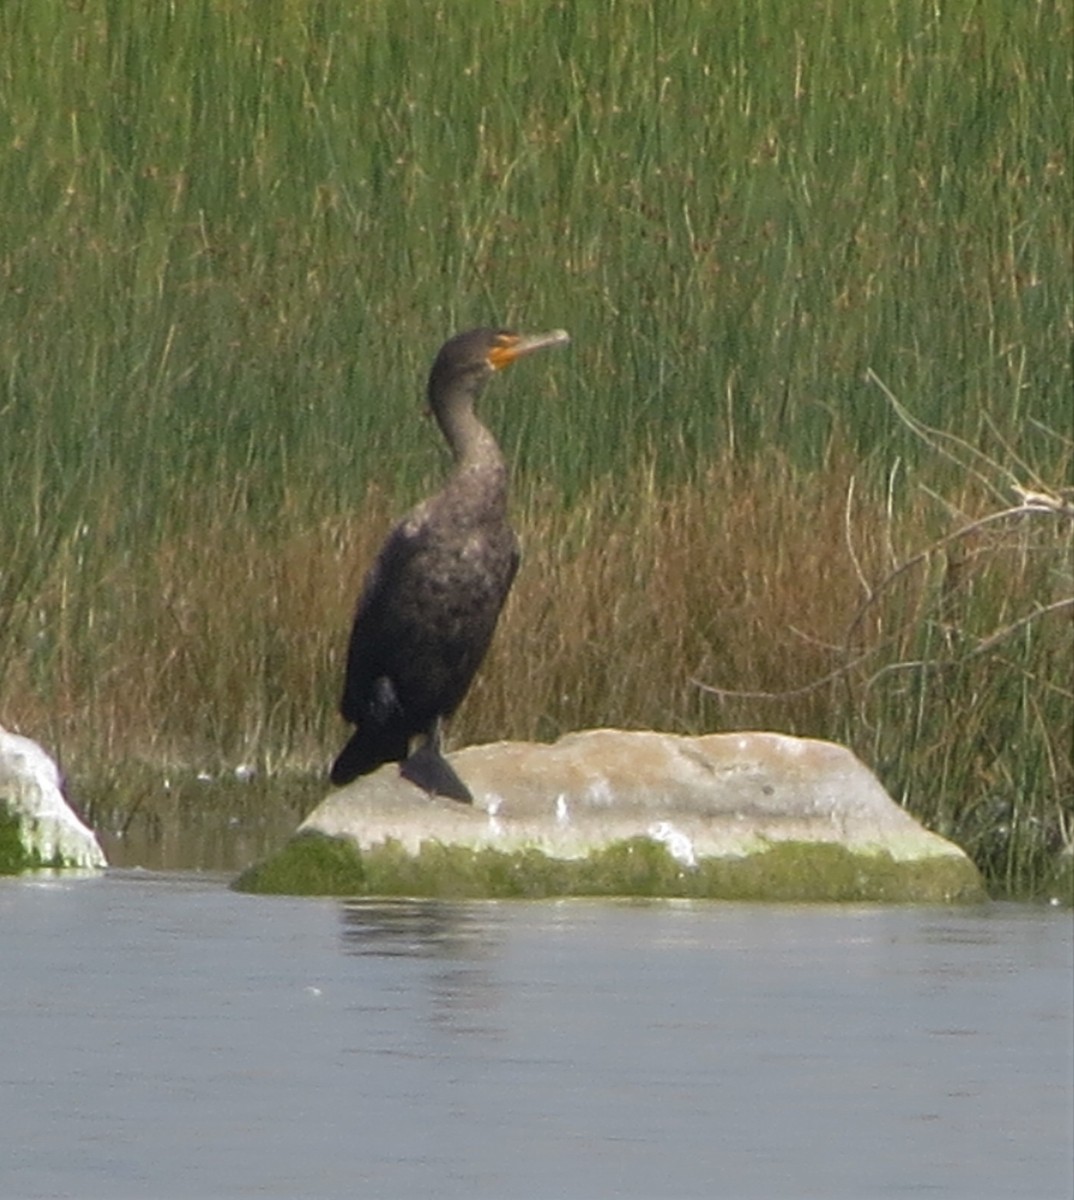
[(163, 1037)]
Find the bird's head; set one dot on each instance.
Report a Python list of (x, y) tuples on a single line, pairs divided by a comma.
[(469, 359)]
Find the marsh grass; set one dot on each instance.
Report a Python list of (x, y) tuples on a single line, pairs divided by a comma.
[(234, 234)]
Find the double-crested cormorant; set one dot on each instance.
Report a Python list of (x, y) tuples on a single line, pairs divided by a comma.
[(432, 597)]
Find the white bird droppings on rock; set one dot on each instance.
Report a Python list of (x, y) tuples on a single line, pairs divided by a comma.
[(494, 805), (678, 844)]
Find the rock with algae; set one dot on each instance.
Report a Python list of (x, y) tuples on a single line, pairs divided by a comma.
[(37, 826), (607, 812)]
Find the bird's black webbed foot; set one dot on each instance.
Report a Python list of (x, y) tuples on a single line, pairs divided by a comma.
[(428, 769)]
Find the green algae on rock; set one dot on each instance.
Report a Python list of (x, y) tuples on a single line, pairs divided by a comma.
[(312, 864)]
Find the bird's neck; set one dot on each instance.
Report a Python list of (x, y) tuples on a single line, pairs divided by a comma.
[(471, 442), (480, 469)]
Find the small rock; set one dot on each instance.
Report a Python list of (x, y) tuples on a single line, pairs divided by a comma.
[(42, 830)]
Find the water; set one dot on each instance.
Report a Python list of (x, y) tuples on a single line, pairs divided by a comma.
[(164, 1037)]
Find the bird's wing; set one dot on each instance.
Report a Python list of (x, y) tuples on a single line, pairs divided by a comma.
[(367, 651)]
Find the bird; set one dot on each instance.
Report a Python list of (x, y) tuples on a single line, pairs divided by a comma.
[(431, 599)]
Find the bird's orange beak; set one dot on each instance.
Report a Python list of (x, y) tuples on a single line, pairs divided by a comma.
[(510, 346)]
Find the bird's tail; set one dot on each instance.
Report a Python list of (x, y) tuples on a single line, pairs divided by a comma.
[(428, 769), (368, 748)]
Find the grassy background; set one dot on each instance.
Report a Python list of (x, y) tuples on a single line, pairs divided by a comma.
[(235, 232)]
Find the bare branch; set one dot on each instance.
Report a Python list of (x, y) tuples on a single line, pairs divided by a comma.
[(804, 690), (1044, 501), (1007, 631)]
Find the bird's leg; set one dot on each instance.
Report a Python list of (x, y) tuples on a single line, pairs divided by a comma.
[(435, 736), (430, 770)]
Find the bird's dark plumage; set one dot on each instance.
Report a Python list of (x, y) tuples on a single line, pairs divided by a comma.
[(432, 597)]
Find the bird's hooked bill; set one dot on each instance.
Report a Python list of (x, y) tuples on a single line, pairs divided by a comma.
[(510, 346)]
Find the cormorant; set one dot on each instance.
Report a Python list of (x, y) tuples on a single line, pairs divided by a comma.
[(431, 600)]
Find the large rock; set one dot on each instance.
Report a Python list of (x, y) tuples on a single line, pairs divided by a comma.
[(37, 827), (756, 815)]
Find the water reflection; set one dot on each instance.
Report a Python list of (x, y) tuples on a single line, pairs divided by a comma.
[(394, 928), (457, 991)]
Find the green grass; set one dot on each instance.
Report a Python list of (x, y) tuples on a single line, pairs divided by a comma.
[(235, 233)]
